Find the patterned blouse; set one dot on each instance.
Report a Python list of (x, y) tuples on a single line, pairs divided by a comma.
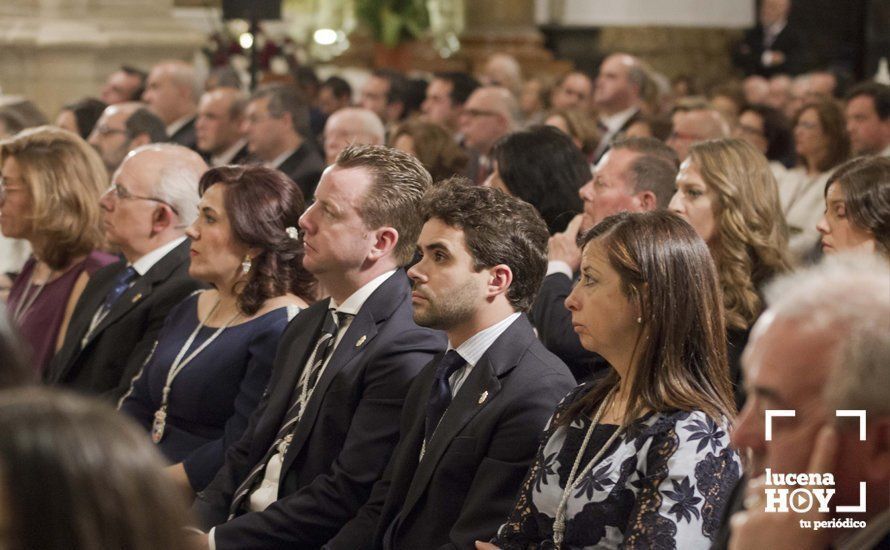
[(662, 484)]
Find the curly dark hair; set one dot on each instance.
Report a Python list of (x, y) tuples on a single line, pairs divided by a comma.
[(262, 204)]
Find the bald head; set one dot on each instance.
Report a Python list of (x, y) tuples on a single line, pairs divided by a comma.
[(490, 113), (691, 127), (351, 126), (172, 90), (122, 128), (619, 84), (502, 69)]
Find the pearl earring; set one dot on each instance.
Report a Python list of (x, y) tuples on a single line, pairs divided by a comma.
[(640, 320), (246, 265)]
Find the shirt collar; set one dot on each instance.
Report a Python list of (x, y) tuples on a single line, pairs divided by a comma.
[(616, 121), (226, 156), (279, 160), (146, 262), (476, 345), (177, 125), (354, 303)]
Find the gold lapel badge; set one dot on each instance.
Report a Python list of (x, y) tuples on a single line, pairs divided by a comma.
[(136, 298), (361, 341), (483, 397)]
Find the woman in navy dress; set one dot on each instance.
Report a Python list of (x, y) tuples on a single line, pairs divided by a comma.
[(214, 355)]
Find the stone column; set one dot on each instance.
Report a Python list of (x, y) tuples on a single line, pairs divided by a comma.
[(55, 51)]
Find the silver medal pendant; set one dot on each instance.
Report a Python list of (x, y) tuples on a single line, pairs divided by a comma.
[(158, 426)]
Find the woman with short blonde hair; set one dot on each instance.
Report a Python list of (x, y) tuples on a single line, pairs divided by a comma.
[(51, 184)]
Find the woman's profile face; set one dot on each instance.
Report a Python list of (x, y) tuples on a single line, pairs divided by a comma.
[(809, 136), (694, 201), (838, 232), (602, 315), (216, 255), (15, 202)]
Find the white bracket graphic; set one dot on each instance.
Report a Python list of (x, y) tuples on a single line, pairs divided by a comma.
[(855, 412), (770, 413), (861, 507)]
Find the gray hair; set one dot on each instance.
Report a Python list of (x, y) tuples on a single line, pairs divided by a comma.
[(847, 298), (177, 182)]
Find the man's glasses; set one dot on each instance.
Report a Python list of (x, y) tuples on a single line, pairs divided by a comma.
[(122, 193), (106, 131)]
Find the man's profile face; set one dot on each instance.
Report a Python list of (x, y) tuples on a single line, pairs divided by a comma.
[(215, 129), (373, 95), (438, 107), (610, 190), (119, 88), (110, 139), (868, 133), (612, 84)]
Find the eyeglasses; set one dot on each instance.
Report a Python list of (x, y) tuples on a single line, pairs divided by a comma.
[(106, 131), (122, 193), (5, 187)]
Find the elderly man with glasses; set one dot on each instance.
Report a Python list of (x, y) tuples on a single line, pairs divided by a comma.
[(152, 199)]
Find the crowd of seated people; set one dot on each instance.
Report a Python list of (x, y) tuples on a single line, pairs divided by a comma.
[(447, 311)]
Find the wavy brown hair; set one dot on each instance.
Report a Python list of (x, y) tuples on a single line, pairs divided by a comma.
[(865, 185), (834, 126), (65, 178), (434, 147), (681, 348), (751, 244), (261, 203)]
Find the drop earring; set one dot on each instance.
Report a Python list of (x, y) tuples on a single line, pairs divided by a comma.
[(246, 265), (640, 320)]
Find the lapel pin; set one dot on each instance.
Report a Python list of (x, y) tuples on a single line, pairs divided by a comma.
[(361, 341), (483, 397), (136, 298)]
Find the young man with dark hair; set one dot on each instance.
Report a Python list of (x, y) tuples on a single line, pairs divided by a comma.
[(469, 427), (868, 119), (445, 98)]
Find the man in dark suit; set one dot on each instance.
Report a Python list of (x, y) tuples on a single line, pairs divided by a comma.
[(218, 127), (774, 46), (324, 431), (172, 92), (118, 316), (635, 175), (472, 419), (278, 135)]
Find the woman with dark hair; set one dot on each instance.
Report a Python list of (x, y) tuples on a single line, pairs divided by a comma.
[(75, 475), (214, 355), (767, 130), (727, 192), (542, 166), (433, 146), (857, 207), (579, 126), (80, 117), (639, 458), (821, 141)]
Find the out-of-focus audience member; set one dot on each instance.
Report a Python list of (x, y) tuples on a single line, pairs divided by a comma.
[(415, 95), (821, 347), (541, 166), (580, 127), (823, 83), (244, 244), (653, 126), (728, 194), (223, 77), (695, 125), (617, 94), (152, 199), (80, 116), (768, 131), (774, 45), (276, 124), (822, 144), (445, 98), (727, 100), (779, 92), (15, 370), (10, 122), (573, 90), (123, 85), (171, 92), (334, 94), (798, 95), (433, 146), (534, 99), (218, 127), (756, 89), (75, 475), (868, 119), (122, 128), (351, 126), (502, 69), (490, 113), (384, 93), (857, 207), (649, 303), (52, 181)]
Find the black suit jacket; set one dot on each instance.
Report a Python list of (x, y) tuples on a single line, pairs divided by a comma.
[(346, 436), (467, 482), (748, 54), (554, 325), (304, 167), (118, 347), (185, 136)]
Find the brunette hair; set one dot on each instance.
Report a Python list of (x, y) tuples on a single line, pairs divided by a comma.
[(580, 127), (682, 343), (65, 178), (77, 475), (434, 147), (86, 112), (264, 207), (834, 126), (543, 167), (498, 229), (865, 185), (751, 245)]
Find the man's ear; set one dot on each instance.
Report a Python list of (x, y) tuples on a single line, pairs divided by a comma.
[(648, 201), (139, 140), (500, 277), (162, 218), (385, 240)]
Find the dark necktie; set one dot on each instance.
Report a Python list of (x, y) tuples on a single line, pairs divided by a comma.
[(440, 394), (121, 284), (323, 348)]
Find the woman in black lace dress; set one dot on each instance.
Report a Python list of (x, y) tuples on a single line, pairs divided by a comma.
[(639, 458)]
